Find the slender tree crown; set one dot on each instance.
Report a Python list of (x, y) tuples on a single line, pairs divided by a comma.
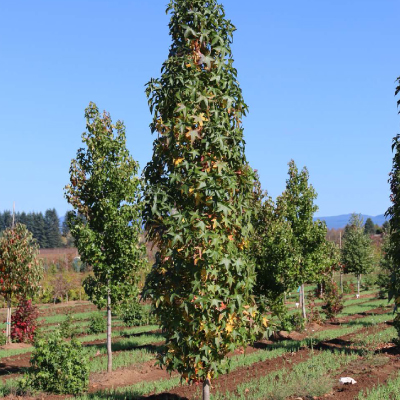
[(20, 270), (357, 252), (197, 200), (106, 223), (296, 205)]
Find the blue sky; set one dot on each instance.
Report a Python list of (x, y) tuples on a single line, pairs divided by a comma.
[(318, 77)]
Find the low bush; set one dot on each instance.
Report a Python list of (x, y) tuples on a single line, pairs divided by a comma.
[(24, 322), (134, 314), (333, 301), (97, 324), (57, 366), (67, 329), (294, 322), (313, 314), (348, 288)]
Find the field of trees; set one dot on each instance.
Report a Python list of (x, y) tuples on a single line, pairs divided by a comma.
[(190, 281)]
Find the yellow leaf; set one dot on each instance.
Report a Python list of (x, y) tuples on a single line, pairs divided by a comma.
[(265, 322), (178, 161), (188, 65), (229, 328)]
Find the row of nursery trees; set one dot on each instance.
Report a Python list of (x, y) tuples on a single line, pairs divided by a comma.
[(226, 251)]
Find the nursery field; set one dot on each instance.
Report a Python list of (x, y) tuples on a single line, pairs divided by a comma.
[(307, 364)]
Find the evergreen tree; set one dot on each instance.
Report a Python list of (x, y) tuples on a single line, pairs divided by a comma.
[(52, 227), (38, 227), (369, 227), (198, 197), (357, 252)]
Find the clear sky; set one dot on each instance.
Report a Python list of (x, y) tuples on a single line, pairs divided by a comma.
[(318, 76)]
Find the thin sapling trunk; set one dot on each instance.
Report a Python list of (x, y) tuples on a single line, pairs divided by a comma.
[(109, 351), (206, 389), (303, 303)]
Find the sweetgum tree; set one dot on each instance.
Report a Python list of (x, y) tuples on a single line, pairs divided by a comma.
[(197, 200), (393, 212), (357, 251), (106, 221), (20, 270), (293, 249)]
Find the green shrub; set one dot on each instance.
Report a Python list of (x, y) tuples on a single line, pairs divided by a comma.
[(2, 338), (67, 329), (133, 314), (293, 322), (348, 288), (97, 324), (369, 281), (57, 366)]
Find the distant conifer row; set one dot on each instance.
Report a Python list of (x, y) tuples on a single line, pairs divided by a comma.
[(45, 227)]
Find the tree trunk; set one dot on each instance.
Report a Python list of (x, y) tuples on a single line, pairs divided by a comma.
[(341, 281), (303, 303), (8, 323), (206, 389), (109, 352), (358, 284)]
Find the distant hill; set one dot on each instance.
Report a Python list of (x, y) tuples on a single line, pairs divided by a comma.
[(340, 221)]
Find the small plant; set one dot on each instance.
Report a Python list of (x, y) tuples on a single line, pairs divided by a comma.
[(333, 301), (24, 322), (67, 329), (97, 324), (369, 281), (133, 314), (2, 339), (348, 288), (57, 366), (293, 322), (313, 314)]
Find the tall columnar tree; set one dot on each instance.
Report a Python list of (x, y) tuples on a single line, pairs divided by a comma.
[(357, 251), (20, 270), (292, 248), (106, 221), (198, 194), (393, 213)]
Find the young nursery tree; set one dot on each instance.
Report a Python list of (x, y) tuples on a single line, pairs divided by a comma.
[(20, 270), (306, 256), (357, 252), (199, 188), (393, 213), (106, 222)]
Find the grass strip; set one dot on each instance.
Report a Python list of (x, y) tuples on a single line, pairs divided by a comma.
[(391, 390), (308, 379)]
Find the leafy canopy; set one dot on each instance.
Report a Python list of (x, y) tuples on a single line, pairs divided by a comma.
[(20, 270), (106, 223), (289, 246), (393, 212), (357, 252), (197, 199)]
